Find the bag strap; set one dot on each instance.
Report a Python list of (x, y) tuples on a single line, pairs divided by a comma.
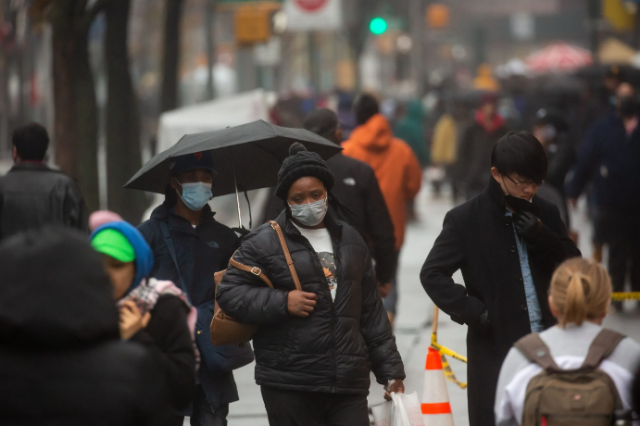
[(602, 346), (253, 269), (535, 350), (172, 252), (287, 254)]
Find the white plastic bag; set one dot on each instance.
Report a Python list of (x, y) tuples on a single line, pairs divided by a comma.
[(406, 410), (382, 414)]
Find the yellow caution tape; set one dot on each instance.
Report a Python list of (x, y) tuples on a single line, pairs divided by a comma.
[(448, 373), (446, 351), (618, 297)]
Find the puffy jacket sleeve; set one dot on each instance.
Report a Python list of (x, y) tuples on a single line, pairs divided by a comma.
[(244, 296), (151, 405), (445, 258), (375, 328), (168, 340)]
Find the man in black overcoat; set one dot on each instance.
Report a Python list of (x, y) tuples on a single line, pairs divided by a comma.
[(507, 242)]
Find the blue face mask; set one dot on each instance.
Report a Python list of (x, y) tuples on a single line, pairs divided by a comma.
[(195, 195)]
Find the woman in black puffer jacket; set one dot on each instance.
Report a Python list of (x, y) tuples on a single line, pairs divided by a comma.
[(315, 348)]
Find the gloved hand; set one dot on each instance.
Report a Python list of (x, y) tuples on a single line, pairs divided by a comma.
[(528, 225), (484, 318)]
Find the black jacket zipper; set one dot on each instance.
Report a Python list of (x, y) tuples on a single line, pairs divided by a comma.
[(318, 264)]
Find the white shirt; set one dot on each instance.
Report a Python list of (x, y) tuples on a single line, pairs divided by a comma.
[(320, 240)]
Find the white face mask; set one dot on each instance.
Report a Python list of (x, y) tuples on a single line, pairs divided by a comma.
[(310, 214)]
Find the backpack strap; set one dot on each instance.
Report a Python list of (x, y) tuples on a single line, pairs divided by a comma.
[(287, 254), (172, 251), (602, 346), (535, 350)]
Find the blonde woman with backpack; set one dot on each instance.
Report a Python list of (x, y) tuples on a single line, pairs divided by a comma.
[(576, 373)]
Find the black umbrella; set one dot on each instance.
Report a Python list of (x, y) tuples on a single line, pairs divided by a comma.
[(245, 157)]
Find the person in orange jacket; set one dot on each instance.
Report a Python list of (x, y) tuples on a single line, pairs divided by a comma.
[(395, 165)]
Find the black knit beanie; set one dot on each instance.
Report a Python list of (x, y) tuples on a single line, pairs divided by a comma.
[(301, 163)]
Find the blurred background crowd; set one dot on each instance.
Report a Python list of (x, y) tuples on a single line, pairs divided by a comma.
[(116, 81)]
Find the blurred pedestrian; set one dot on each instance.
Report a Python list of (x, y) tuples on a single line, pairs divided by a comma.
[(507, 243), (356, 186), (155, 314), (395, 165), (476, 144), (444, 151), (61, 357), (552, 130), (610, 158), (410, 128), (315, 348), (579, 299), (32, 194), (189, 246)]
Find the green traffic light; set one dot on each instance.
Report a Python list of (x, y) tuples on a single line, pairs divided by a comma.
[(378, 26)]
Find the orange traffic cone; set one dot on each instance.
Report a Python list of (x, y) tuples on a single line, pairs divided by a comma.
[(435, 398)]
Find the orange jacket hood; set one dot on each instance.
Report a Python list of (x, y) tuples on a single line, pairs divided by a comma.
[(374, 135)]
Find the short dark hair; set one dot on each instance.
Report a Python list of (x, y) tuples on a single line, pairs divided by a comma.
[(323, 122), (520, 153), (365, 107), (31, 141)]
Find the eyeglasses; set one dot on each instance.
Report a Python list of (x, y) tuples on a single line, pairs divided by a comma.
[(522, 185)]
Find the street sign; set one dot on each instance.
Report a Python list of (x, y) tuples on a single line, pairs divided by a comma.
[(523, 26), (313, 15), (438, 15), (311, 5), (248, 1), (252, 25)]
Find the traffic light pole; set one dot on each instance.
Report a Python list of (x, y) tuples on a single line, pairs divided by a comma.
[(594, 15), (210, 46), (417, 37)]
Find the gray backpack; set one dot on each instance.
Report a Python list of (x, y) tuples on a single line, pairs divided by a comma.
[(582, 397)]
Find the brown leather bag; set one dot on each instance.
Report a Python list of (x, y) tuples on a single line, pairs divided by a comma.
[(224, 329)]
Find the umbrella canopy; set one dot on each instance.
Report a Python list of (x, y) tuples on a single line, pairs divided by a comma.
[(559, 57), (245, 157)]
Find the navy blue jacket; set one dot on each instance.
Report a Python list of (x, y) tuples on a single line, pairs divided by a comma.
[(610, 158), (201, 252)]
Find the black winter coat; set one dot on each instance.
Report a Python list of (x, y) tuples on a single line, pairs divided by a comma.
[(61, 358), (356, 187), (340, 343), (168, 340), (562, 156), (611, 159), (33, 195), (474, 156), (201, 252), (478, 239)]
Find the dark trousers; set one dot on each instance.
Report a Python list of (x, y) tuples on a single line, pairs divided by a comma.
[(391, 301), (623, 237), (203, 413), (294, 408)]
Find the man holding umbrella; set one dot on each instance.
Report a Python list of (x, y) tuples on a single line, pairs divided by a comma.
[(189, 246)]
